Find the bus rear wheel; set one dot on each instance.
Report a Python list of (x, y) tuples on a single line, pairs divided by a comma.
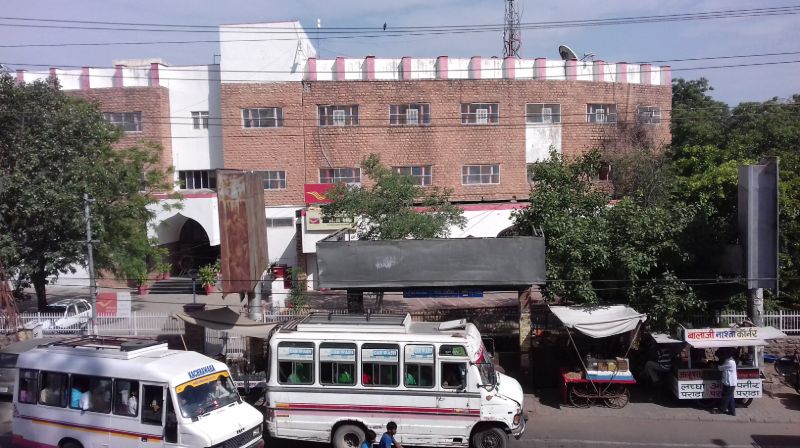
[(348, 436), (70, 444), (493, 437)]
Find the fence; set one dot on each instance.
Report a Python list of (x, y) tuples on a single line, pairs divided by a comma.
[(787, 321), (137, 324)]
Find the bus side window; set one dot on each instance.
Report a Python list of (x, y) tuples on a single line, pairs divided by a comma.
[(90, 393), (28, 386), (296, 363), (53, 389), (171, 428), (380, 364), (454, 375), (152, 405), (418, 366), (126, 397), (337, 364)]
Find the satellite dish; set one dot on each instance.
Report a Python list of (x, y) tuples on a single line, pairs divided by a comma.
[(566, 53)]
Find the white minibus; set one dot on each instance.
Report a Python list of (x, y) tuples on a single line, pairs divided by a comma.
[(94, 391), (332, 377)]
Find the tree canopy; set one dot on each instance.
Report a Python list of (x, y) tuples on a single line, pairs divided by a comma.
[(393, 205), (53, 149)]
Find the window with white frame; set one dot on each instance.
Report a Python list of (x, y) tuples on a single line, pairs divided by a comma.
[(128, 121), (338, 115), (415, 114), (280, 222), (336, 175), (480, 174), (274, 180), (200, 119), (197, 180), (262, 117), (546, 113), (648, 114), (480, 113), (422, 174), (601, 113)]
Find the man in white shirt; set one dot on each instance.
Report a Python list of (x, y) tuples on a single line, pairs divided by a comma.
[(729, 379)]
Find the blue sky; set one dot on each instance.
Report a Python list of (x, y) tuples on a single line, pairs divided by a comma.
[(633, 43)]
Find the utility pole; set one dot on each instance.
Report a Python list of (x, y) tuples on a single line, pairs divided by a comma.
[(90, 264), (512, 36)]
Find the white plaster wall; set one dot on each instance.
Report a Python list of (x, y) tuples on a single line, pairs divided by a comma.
[(100, 78), (484, 223), (555, 70), (524, 68), (655, 76), (36, 76), (611, 72), (585, 71), (136, 76), (325, 69), (387, 68), (458, 68), (491, 68), (538, 140), (352, 69), (634, 73), (69, 79), (265, 52), (282, 241), (423, 68), (167, 223), (194, 88)]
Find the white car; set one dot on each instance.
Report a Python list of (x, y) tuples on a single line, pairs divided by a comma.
[(67, 314)]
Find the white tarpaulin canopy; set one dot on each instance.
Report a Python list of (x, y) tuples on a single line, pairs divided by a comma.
[(599, 321), (225, 319)]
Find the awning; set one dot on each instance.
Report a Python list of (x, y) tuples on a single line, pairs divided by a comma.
[(727, 343), (225, 319), (599, 321), (662, 338)]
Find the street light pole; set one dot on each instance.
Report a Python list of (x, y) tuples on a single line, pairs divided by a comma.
[(193, 274), (90, 262)]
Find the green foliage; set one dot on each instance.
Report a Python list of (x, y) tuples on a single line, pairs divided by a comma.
[(53, 149), (209, 274), (626, 253), (697, 119), (298, 296), (386, 210)]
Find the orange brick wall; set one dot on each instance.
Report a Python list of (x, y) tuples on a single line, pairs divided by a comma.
[(301, 147)]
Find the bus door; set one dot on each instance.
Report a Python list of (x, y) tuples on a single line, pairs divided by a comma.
[(158, 421), (458, 406)]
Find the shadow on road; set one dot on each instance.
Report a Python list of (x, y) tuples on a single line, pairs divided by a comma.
[(790, 400), (770, 441)]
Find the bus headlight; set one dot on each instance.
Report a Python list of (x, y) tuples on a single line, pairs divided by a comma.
[(256, 431), (517, 419)]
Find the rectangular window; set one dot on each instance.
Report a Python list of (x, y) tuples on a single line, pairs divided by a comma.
[(128, 121), (53, 389), (274, 180), (265, 117), (336, 175), (90, 393), (296, 363), (280, 222), (126, 397), (543, 113), (338, 115), (454, 375), (422, 175), (380, 364), (152, 405), (480, 113), (419, 366), (414, 114), (648, 114), (480, 174), (197, 180), (200, 119), (28, 386), (337, 364), (601, 113)]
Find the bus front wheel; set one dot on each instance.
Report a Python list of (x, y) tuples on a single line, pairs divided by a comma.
[(348, 436), (493, 437), (70, 444)]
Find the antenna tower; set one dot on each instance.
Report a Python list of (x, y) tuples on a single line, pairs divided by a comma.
[(512, 37)]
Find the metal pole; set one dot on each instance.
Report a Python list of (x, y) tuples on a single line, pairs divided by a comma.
[(755, 300), (90, 263)]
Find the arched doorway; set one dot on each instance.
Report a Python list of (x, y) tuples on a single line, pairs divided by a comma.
[(192, 249)]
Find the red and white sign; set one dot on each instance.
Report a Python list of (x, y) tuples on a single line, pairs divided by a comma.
[(317, 193)]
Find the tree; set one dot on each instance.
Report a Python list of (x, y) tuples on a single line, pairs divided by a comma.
[(53, 149), (394, 206), (697, 119), (595, 252)]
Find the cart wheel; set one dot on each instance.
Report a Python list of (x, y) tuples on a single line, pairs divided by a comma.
[(579, 396), (743, 402), (620, 396)]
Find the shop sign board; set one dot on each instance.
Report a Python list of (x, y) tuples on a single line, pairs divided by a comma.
[(700, 389), (721, 334)]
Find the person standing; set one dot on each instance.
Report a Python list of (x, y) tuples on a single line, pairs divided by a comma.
[(729, 380), (387, 440), (369, 439)]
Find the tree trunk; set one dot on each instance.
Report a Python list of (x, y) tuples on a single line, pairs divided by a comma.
[(39, 281)]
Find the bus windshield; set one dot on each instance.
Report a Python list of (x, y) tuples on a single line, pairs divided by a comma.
[(206, 394), (486, 368)]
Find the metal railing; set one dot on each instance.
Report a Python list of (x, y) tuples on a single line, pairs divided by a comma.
[(787, 321), (137, 324)]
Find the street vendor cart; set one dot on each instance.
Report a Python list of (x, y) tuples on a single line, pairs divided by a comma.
[(602, 377), (697, 378)]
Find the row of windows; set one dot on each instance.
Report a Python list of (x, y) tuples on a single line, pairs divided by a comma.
[(337, 364), (414, 114), (276, 180), (94, 394)]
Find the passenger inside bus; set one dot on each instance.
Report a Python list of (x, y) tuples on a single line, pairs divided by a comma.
[(203, 398), (53, 391), (453, 375)]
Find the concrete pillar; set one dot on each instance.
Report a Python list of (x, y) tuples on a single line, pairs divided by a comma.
[(85, 83), (571, 70), (622, 72), (510, 67), (339, 68), (311, 69), (20, 76), (475, 67), (540, 69), (666, 75), (117, 80), (599, 71), (355, 302), (442, 66), (405, 68), (154, 76), (369, 66), (523, 300), (646, 75), (53, 73)]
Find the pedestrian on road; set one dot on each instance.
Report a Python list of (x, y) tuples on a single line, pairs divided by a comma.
[(387, 440), (729, 380), (369, 439)]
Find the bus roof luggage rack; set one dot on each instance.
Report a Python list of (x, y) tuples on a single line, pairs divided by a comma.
[(394, 323), (126, 346)]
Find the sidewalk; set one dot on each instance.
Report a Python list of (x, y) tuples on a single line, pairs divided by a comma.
[(779, 404)]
